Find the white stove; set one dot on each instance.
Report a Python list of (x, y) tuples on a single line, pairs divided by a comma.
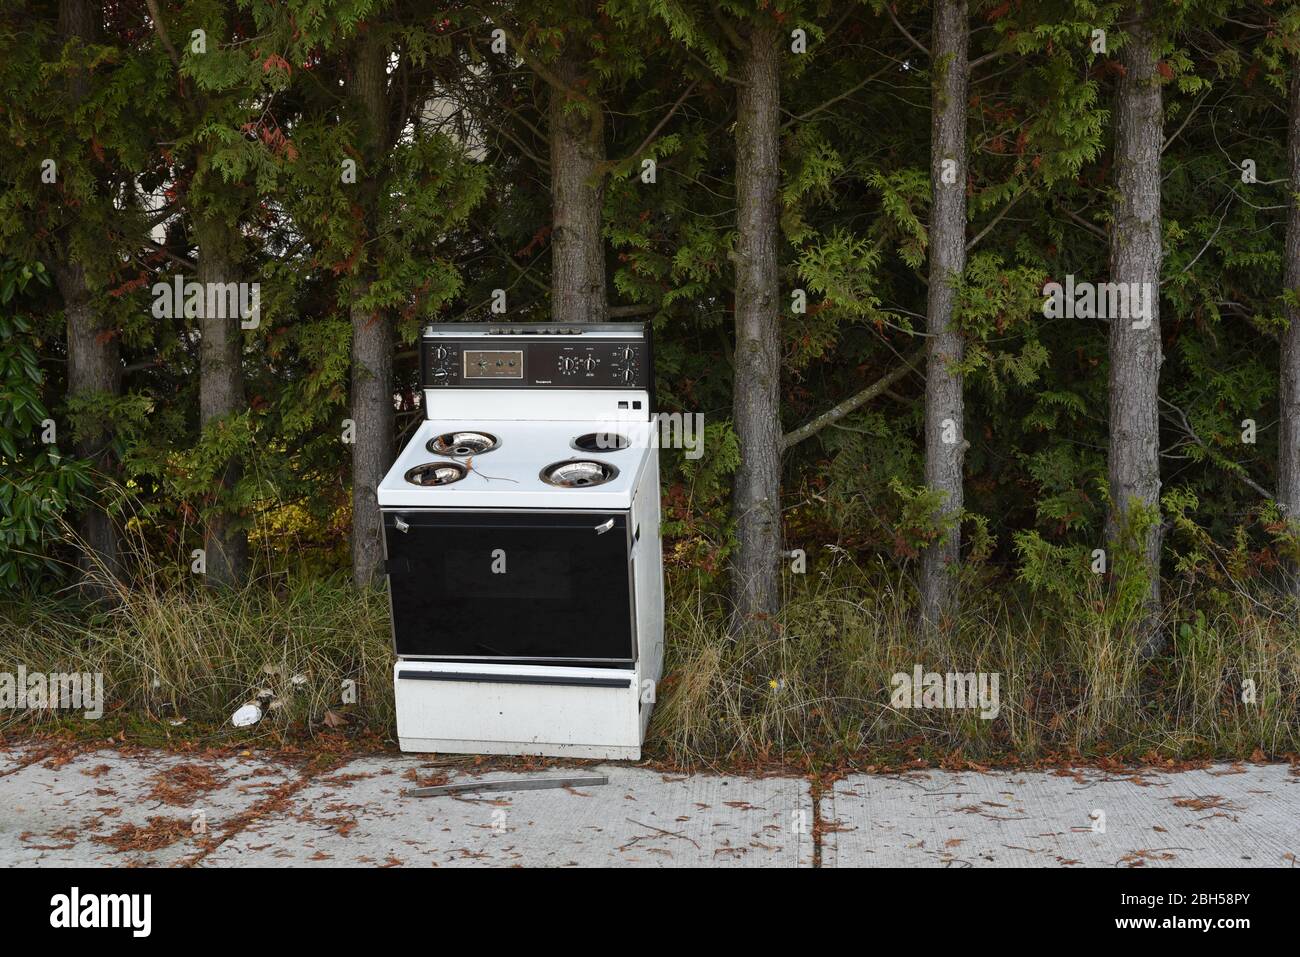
[(509, 475), (521, 528)]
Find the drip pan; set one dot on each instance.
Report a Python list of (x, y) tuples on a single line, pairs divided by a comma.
[(601, 442), (436, 473), (578, 473), (463, 443)]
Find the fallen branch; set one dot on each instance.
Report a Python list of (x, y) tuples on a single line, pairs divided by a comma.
[(650, 137), (1185, 423), (1091, 227), (832, 415), (915, 42), (523, 784), (996, 219)]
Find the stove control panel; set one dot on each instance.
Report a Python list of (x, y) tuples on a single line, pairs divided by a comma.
[(536, 356)]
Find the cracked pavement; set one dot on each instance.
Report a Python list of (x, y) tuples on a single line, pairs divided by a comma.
[(115, 807)]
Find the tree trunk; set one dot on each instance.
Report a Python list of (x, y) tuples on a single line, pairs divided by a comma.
[(80, 19), (1135, 352), (94, 365), (1288, 466), (372, 451), (94, 372), (577, 194), (756, 414), (221, 390), (945, 441), (372, 331)]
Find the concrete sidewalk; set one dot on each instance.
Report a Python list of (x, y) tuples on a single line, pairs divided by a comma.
[(137, 807)]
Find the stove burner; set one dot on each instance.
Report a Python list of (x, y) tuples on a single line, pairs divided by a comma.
[(463, 443), (601, 442), (578, 473), (436, 473)]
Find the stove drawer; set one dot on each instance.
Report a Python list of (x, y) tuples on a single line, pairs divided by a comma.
[(511, 586), (521, 709)]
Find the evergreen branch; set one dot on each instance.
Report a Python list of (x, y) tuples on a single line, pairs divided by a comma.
[(915, 42), (1213, 235), (1079, 220), (1239, 472), (835, 99), (727, 29), (549, 76), (525, 272), (540, 161), (996, 219), (523, 120), (650, 137), (179, 260), (163, 38), (1187, 119)]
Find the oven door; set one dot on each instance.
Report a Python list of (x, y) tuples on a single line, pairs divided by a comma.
[(511, 586)]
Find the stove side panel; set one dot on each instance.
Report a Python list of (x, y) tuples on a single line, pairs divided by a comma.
[(649, 570)]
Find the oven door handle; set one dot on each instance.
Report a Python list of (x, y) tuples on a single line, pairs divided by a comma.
[(604, 527)]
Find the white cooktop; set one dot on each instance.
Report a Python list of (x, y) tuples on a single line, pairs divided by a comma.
[(509, 476)]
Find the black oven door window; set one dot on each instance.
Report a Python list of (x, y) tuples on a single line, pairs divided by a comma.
[(523, 586)]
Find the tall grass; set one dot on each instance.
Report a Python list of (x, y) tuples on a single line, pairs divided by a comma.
[(170, 648), (816, 688), (1073, 679)]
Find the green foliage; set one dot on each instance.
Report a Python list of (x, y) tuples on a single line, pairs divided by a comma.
[(696, 517), (903, 193), (37, 482), (253, 132), (921, 519)]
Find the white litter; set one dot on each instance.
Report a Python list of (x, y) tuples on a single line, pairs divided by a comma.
[(247, 715)]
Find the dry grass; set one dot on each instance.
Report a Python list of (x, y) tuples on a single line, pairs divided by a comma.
[(817, 689), (1072, 678), (170, 648)]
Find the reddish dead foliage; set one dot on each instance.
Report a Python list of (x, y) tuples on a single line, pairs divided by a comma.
[(181, 785), (158, 833)]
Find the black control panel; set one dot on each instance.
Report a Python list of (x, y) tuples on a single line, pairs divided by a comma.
[(537, 356)]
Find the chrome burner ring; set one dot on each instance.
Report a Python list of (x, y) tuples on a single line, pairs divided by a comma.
[(578, 473), (433, 474), (463, 443)]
